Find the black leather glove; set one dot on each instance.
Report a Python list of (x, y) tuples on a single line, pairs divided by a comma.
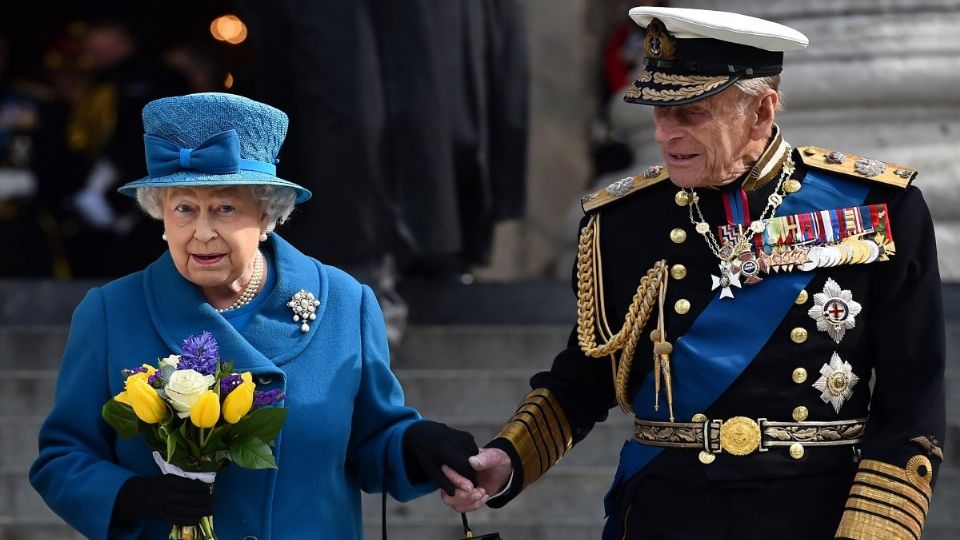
[(427, 445), (170, 498)]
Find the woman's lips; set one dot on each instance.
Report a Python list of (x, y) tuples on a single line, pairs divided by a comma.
[(207, 260)]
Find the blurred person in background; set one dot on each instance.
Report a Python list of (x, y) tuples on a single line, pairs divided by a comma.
[(421, 109)]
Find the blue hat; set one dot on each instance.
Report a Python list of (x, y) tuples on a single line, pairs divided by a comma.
[(212, 139)]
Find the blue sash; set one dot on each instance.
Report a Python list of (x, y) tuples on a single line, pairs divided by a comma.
[(704, 366)]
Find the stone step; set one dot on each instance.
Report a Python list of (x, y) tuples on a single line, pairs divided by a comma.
[(31, 530), (32, 346), (487, 346)]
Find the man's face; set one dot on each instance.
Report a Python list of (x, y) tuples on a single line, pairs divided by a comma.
[(705, 143)]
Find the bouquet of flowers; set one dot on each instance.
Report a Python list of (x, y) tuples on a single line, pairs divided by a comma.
[(198, 416)]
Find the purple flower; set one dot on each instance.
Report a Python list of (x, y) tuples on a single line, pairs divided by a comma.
[(129, 372), (200, 353), (269, 397), (228, 383), (155, 380)]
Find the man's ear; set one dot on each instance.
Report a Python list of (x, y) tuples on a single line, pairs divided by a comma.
[(766, 112)]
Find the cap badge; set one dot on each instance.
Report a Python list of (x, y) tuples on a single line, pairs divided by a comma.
[(658, 43)]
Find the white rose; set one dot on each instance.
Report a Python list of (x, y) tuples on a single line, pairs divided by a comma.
[(171, 361), (184, 387)]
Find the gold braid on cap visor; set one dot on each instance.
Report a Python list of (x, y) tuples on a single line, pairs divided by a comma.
[(887, 501), (539, 432)]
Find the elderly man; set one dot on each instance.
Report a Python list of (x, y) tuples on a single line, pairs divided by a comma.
[(749, 374)]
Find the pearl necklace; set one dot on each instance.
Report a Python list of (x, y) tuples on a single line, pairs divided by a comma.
[(253, 286), (730, 251)]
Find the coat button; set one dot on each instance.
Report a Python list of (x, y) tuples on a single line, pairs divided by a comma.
[(682, 198), (791, 186), (248, 537), (802, 297), (800, 414), (678, 235), (699, 418), (799, 375), (682, 306), (706, 457), (264, 380), (798, 335), (796, 450), (678, 271)]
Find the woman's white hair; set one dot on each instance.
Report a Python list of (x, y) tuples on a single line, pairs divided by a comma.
[(275, 201)]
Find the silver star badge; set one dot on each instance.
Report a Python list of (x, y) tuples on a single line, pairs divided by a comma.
[(728, 277), (835, 310), (836, 382)]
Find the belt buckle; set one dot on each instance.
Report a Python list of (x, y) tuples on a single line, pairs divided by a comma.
[(740, 435)]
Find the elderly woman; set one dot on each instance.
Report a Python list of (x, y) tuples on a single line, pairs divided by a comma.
[(212, 182)]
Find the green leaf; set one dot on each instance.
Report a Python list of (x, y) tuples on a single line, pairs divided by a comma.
[(121, 417), (171, 445), (152, 437), (252, 454), (187, 440), (263, 424)]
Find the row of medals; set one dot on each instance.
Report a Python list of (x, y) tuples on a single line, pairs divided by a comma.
[(740, 261)]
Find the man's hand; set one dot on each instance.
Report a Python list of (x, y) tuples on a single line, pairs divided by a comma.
[(493, 469)]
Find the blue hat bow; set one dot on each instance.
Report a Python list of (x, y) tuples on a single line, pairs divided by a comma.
[(219, 154)]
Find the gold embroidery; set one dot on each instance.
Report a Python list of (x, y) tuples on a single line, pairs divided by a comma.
[(687, 80), (882, 482), (888, 502), (682, 93), (892, 515)]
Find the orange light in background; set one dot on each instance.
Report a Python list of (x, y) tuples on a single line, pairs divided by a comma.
[(228, 28), (228, 82)]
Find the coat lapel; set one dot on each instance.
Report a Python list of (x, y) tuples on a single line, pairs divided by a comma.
[(270, 339)]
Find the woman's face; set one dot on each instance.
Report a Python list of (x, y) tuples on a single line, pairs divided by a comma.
[(212, 232)]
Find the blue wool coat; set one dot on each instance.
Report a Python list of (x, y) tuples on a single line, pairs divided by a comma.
[(344, 427)]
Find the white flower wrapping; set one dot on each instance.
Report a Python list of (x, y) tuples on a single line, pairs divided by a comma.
[(166, 468), (184, 387)]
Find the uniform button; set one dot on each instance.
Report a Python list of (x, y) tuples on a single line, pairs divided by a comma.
[(682, 306), (248, 537), (264, 379), (799, 375), (802, 297), (798, 335), (678, 235), (699, 417), (791, 186), (682, 198), (678, 271), (706, 457), (796, 450), (800, 414)]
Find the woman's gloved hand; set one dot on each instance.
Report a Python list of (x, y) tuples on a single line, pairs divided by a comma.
[(427, 445), (170, 498)]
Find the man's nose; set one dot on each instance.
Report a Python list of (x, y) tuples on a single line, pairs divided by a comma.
[(665, 127)]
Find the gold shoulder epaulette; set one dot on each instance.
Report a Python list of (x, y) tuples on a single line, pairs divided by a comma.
[(857, 166), (623, 187)]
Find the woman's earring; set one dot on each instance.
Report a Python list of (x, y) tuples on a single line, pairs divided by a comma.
[(164, 236), (263, 237)]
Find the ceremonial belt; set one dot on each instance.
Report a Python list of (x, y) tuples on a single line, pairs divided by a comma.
[(741, 435)]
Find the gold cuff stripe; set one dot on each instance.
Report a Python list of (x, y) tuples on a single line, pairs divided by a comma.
[(895, 503), (518, 434), (858, 525), (533, 416), (539, 432), (882, 483), (547, 398), (898, 474), (885, 513)]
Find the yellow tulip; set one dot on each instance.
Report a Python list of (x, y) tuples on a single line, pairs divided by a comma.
[(246, 377), (122, 398), (146, 403), (238, 402), (206, 410)]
